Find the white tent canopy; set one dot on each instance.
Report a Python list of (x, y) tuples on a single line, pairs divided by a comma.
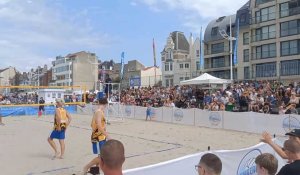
[(205, 79)]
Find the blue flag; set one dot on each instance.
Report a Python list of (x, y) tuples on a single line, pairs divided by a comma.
[(201, 61), (122, 65), (235, 62)]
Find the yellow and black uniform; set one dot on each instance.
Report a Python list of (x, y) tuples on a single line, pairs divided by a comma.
[(63, 119), (56, 134), (98, 138)]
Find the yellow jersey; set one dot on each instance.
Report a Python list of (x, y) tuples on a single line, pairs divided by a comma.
[(63, 119), (97, 135)]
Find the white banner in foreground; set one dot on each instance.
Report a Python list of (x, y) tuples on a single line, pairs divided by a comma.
[(234, 162)]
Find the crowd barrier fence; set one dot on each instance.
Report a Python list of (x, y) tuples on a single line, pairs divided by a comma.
[(251, 122), (6, 111), (234, 162)]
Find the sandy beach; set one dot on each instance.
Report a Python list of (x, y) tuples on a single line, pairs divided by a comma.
[(24, 149)]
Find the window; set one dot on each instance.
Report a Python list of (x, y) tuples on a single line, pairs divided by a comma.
[(187, 78), (221, 74), (257, 2), (214, 31), (246, 73), (217, 48), (291, 67), (169, 82), (266, 51), (284, 9), (265, 14), (246, 38), (198, 65), (290, 48), (187, 66), (197, 53), (290, 28), (246, 55), (181, 78), (169, 66), (54, 95), (181, 66), (59, 95), (242, 18), (218, 62), (266, 70), (267, 32), (290, 8)]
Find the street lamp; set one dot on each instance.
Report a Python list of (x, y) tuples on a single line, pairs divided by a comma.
[(230, 39)]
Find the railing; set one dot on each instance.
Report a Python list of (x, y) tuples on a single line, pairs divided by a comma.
[(263, 18), (216, 65), (290, 51), (216, 51), (290, 31), (263, 36), (263, 55)]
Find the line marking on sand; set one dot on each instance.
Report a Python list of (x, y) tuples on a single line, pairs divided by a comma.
[(175, 145), (53, 170)]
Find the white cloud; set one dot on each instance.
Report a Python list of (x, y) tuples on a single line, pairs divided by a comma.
[(32, 29), (133, 3), (196, 13)]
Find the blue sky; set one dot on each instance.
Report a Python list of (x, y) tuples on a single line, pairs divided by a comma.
[(33, 32)]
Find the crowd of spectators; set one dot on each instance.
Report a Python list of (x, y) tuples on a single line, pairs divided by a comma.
[(19, 98), (263, 96)]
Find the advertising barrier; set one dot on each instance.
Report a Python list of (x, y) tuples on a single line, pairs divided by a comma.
[(32, 110), (251, 122), (167, 114), (234, 162), (210, 119), (185, 117)]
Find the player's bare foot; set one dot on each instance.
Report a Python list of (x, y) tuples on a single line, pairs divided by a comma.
[(56, 155)]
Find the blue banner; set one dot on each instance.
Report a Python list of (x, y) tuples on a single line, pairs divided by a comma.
[(235, 62), (136, 81), (201, 62), (122, 65)]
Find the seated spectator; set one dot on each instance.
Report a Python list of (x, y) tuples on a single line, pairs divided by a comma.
[(292, 150), (209, 164), (266, 164)]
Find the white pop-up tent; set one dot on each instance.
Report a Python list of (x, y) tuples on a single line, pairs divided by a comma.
[(205, 79)]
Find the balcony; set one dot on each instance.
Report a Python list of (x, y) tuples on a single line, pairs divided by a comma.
[(263, 18), (216, 65), (263, 36), (263, 55), (216, 51), (290, 31)]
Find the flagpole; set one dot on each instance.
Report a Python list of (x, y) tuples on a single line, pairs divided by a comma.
[(231, 71), (154, 57), (200, 52)]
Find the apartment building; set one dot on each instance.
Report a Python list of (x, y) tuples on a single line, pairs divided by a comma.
[(217, 48), (274, 40), (267, 33), (180, 59), (76, 69)]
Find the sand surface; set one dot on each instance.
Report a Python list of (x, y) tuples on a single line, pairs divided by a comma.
[(24, 149)]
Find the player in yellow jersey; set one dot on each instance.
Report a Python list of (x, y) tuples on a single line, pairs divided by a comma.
[(62, 120), (99, 134)]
